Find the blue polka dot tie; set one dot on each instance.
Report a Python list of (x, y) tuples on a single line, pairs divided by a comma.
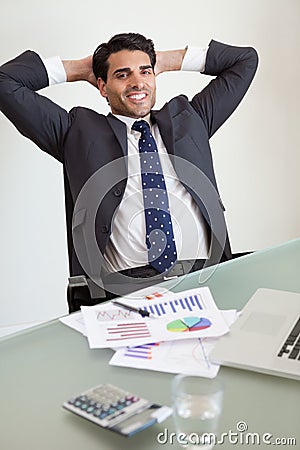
[(160, 240)]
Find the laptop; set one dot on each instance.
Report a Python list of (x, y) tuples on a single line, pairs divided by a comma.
[(266, 336)]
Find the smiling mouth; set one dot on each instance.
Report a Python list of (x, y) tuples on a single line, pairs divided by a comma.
[(137, 97)]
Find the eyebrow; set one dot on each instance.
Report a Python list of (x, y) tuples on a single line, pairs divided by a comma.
[(127, 69)]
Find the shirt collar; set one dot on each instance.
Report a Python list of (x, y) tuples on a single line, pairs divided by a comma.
[(130, 120)]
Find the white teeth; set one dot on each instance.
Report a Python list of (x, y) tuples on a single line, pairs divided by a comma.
[(138, 96)]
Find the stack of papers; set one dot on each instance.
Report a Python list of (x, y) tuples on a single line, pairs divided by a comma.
[(177, 337)]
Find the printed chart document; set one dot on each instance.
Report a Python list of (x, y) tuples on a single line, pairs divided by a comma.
[(186, 315), (190, 357), (76, 320)]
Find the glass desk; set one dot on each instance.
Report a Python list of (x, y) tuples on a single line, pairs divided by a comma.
[(46, 365)]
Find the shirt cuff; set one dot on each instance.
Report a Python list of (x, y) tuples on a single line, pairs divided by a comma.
[(55, 70), (194, 59)]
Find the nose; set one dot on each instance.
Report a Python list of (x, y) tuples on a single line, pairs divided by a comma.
[(136, 81)]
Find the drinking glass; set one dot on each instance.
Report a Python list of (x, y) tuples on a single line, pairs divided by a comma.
[(197, 407)]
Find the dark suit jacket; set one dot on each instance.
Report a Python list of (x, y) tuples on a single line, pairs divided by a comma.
[(85, 142)]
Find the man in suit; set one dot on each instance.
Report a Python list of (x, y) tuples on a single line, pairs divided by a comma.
[(109, 239)]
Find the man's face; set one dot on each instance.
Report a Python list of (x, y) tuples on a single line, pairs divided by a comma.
[(131, 86)]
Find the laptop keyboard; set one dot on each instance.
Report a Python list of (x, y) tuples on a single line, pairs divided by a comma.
[(291, 347)]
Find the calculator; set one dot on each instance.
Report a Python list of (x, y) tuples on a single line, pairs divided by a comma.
[(114, 408)]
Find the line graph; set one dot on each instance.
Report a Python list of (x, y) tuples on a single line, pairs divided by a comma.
[(114, 314)]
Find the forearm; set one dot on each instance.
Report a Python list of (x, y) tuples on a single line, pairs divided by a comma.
[(191, 59), (170, 60), (80, 70)]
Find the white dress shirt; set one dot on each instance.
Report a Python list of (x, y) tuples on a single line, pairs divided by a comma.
[(127, 244)]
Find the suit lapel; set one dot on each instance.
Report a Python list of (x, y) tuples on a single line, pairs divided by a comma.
[(163, 120), (120, 131)]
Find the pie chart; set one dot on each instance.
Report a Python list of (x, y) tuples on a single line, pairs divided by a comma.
[(188, 324)]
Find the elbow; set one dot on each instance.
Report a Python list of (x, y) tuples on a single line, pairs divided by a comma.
[(253, 57), (2, 89), (5, 91)]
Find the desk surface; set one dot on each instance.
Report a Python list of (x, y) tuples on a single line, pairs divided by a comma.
[(45, 366)]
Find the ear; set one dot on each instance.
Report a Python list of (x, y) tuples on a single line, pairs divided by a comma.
[(102, 87)]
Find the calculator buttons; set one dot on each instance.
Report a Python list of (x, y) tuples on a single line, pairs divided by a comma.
[(106, 404)]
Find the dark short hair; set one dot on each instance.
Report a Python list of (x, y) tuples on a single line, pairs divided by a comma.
[(123, 41)]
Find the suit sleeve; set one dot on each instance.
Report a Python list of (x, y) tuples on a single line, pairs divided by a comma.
[(234, 69), (35, 116)]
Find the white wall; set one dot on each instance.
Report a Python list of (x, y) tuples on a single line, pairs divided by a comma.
[(256, 152)]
